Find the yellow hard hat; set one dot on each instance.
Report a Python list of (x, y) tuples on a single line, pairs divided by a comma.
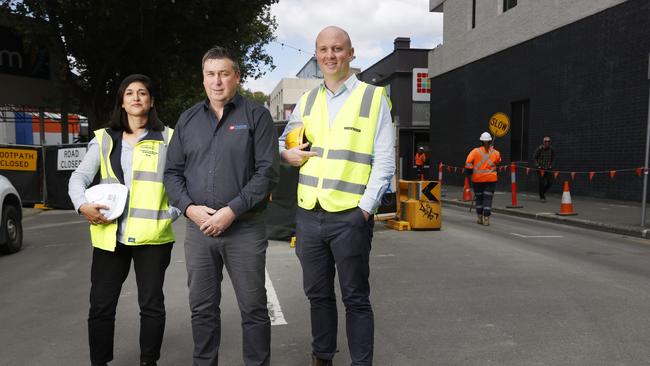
[(295, 137)]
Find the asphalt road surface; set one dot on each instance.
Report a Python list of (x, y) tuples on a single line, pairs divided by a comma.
[(519, 292)]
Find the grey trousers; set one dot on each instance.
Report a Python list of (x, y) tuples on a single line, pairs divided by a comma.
[(242, 249), (329, 243)]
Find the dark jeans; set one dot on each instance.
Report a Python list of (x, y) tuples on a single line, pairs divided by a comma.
[(545, 183), (327, 242), (484, 193), (419, 169), (108, 272), (242, 250)]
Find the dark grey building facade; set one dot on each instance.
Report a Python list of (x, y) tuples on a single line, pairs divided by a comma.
[(584, 84), (395, 72)]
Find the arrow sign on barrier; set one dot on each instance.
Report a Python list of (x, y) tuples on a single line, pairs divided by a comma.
[(426, 191)]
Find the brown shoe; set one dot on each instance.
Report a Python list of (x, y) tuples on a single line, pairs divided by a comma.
[(486, 221), (480, 220), (315, 361)]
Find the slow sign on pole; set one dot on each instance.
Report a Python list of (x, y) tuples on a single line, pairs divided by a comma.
[(499, 124)]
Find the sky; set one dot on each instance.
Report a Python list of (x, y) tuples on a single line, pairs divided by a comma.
[(372, 25)]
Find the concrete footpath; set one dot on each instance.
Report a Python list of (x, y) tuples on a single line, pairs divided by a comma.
[(621, 217)]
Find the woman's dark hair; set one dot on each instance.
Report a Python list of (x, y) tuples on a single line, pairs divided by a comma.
[(119, 120)]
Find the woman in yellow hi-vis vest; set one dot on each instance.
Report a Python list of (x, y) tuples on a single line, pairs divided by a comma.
[(481, 164), (131, 152)]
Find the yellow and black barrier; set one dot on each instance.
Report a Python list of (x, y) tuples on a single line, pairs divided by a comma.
[(419, 206)]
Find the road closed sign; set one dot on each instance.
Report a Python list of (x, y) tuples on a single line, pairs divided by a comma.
[(499, 124), (18, 159), (70, 158)]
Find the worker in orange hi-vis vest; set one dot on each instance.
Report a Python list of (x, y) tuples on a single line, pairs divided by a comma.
[(481, 164), (420, 160)]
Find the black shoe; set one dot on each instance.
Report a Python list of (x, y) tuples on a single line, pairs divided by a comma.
[(315, 361), (148, 363)]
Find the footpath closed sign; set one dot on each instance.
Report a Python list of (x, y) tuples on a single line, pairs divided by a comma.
[(18, 159), (70, 158)]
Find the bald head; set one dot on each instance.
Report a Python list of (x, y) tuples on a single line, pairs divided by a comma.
[(334, 31), (334, 53)]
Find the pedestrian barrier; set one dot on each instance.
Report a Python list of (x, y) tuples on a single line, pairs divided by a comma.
[(566, 207), (419, 206), (467, 191)]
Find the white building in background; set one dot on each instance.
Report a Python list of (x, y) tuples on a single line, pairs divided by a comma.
[(286, 94)]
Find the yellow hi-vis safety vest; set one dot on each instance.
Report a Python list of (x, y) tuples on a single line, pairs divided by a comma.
[(148, 220), (338, 176)]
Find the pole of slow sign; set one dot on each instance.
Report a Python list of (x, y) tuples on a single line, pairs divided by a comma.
[(645, 165)]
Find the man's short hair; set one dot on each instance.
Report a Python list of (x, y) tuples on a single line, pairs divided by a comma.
[(218, 53)]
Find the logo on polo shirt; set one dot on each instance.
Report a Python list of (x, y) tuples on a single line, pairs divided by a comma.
[(243, 126)]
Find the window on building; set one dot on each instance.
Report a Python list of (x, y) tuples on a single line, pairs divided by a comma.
[(509, 4), (519, 120), (473, 14)]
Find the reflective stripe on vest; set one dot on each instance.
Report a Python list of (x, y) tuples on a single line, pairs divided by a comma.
[(485, 159), (148, 220), (338, 175)]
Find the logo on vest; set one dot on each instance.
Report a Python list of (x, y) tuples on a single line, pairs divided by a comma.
[(131, 240), (238, 127), (148, 150), (352, 129)]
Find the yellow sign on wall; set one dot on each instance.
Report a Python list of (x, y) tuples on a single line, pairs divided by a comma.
[(499, 124), (18, 159)]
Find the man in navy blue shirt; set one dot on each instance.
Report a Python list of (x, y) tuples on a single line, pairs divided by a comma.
[(222, 163)]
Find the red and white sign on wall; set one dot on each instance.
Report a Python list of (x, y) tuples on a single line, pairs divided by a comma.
[(421, 85)]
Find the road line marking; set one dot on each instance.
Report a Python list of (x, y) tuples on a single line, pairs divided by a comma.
[(47, 226), (537, 236), (275, 311)]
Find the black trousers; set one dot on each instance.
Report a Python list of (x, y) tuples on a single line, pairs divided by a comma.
[(108, 272), (327, 243), (484, 193), (545, 183), (419, 169)]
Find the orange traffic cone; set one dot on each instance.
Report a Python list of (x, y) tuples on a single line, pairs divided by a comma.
[(566, 207), (467, 192)]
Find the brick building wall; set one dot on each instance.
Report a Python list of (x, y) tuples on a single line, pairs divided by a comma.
[(587, 87)]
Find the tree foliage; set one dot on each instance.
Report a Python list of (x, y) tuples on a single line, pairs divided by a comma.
[(257, 96), (104, 41)]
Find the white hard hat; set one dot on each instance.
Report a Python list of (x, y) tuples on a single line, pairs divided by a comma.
[(112, 195), (485, 136)]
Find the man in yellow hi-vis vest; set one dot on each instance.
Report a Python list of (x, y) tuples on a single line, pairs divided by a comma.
[(342, 179)]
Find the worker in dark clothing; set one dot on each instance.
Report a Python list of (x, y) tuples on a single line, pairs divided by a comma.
[(544, 158), (222, 163)]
